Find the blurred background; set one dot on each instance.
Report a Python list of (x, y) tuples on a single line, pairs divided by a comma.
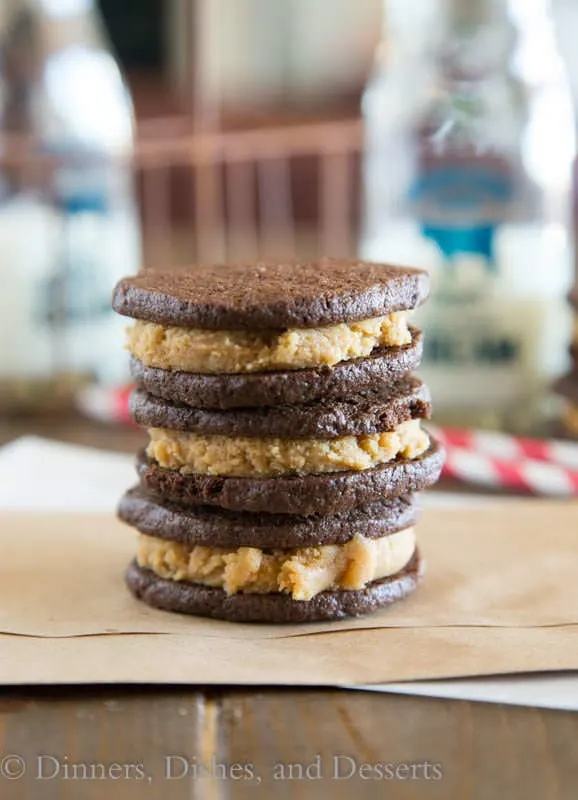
[(436, 133)]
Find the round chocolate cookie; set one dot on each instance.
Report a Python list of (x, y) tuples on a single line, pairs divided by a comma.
[(252, 389), (206, 601), (303, 495), (270, 296), (358, 415), (218, 527)]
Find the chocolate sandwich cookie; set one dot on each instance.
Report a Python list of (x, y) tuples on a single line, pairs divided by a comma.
[(375, 372), (248, 335), (269, 296), (326, 436), (323, 556), (216, 527), (303, 495), (360, 414), (191, 598)]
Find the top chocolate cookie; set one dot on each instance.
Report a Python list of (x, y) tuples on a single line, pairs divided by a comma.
[(270, 296)]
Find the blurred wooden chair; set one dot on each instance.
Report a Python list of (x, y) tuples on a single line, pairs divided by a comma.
[(234, 195)]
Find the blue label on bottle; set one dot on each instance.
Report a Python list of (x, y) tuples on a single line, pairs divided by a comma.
[(460, 204), (475, 239)]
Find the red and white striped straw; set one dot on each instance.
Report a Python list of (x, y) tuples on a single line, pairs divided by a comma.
[(539, 466), (504, 447)]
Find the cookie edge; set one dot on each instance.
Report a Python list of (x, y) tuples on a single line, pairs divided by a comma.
[(205, 601)]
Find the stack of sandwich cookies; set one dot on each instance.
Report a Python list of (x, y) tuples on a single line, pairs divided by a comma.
[(285, 438)]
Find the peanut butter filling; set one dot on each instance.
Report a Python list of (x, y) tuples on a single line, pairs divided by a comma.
[(196, 350), (570, 418), (262, 458), (302, 573)]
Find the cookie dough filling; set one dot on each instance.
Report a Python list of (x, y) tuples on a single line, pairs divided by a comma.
[(570, 418), (302, 573), (264, 458), (204, 351)]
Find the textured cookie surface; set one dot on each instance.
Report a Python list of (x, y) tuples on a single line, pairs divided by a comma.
[(328, 493), (324, 419), (190, 598), (247, 390), (270, 296), (217, 527)]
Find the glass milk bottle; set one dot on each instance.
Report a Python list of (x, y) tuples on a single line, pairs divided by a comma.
[(68, 222), (469, 139)]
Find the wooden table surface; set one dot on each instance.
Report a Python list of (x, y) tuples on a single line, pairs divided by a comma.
[(151, 742)]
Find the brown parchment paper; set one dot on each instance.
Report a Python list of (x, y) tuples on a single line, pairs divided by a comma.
[(500, 595)]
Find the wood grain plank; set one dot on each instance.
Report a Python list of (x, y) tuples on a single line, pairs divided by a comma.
[(137, 729), (484, 751)]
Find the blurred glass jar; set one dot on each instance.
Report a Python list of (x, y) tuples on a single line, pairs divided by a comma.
[(68, 221), (470, 141)]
